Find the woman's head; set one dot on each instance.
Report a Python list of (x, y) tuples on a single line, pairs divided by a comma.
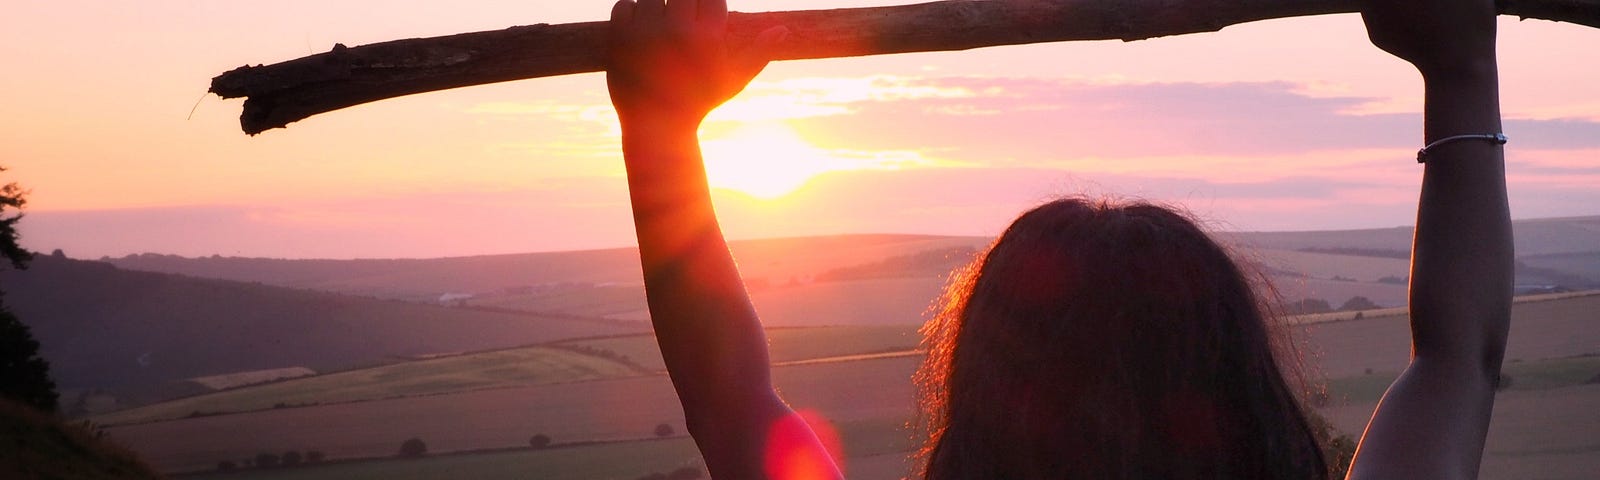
[(1100, 339)]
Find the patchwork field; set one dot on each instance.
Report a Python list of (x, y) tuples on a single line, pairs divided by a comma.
[(1545, 423), (498, 369)]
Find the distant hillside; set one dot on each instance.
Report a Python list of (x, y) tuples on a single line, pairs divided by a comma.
[(1541, 236), (1333, 265), (132, 332), (770, 260)]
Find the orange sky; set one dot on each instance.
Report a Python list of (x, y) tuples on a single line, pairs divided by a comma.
[(1289, 124)]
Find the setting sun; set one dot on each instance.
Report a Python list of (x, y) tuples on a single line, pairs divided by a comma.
[(766, 160)]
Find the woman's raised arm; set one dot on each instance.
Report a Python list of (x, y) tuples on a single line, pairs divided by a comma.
[(668, 68), (1432, 422)]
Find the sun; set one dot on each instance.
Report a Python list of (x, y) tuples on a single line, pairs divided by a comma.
[(765, 160)]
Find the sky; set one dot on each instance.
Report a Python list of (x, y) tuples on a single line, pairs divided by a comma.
[(1292, 124)]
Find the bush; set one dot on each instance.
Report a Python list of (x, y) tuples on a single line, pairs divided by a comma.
[(413, 448), (539, 441), (315, 456), (267, 460), (664, 430), (1337, 448), (291, 458), (1358, 303)]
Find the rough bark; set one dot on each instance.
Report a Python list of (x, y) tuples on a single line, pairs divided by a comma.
[(286, 92)]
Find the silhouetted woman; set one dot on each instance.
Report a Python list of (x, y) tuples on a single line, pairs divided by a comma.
[(1094, 339)]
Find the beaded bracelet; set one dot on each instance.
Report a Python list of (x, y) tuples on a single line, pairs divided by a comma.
[(1497, 138)]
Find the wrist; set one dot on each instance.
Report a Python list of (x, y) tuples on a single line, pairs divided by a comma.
[(658, 128), (1478, 69)]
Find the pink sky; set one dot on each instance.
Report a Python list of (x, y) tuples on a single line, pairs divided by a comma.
[(1281, 125)]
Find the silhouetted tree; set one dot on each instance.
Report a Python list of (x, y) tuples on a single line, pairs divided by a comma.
[(413, 448), (1358, 303), (315, 456), (267, 460), (291, 458), (539, 441), (24, 375), (12, 197)]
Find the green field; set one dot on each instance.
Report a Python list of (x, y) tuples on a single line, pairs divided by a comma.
[(560, 362), (874, 448), (497, 369), (1544, 420)]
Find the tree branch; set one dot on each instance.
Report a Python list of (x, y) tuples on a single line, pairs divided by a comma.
[(286, 92)]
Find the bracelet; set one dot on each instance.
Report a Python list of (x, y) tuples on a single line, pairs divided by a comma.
[(1497, 138)]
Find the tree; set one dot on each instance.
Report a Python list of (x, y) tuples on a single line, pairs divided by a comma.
[(291, 458), (24, 375), (1358, 303), (539, 441), (267, 460), (413, 448)]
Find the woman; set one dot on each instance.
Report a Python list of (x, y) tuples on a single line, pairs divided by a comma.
[(1094, 339)]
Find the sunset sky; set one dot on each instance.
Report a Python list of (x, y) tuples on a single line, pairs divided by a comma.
[(1283, 125)]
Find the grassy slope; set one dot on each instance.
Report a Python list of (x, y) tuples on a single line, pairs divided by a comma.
[(104, 327), (42, 446), (453, 374)]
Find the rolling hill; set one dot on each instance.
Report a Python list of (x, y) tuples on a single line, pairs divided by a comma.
[(1553, 251), (141, 326), (139, 334)]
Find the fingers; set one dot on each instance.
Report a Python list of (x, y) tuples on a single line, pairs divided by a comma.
[(650, 10), (755, 58), (621, 14), (683, 11), (714, 12)]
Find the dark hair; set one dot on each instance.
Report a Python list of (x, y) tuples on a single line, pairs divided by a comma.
[(1099, 339)]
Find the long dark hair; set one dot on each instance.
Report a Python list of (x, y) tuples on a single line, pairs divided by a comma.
[(1098, 339)]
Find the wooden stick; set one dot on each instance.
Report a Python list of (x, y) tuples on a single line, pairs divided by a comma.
[(293, 90)]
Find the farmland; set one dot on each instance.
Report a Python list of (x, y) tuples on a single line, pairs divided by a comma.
[(842, 314), (1544, 421), (555, 363)]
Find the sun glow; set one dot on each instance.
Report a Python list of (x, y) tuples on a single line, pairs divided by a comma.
[(767, 160)]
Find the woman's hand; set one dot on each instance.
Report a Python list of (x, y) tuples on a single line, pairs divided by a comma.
[(1437, 36), (669, 59)]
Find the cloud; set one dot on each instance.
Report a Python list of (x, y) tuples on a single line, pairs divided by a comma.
[(1021, 121)]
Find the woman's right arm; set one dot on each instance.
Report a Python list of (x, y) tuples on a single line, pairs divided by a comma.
[(1433, 420)]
